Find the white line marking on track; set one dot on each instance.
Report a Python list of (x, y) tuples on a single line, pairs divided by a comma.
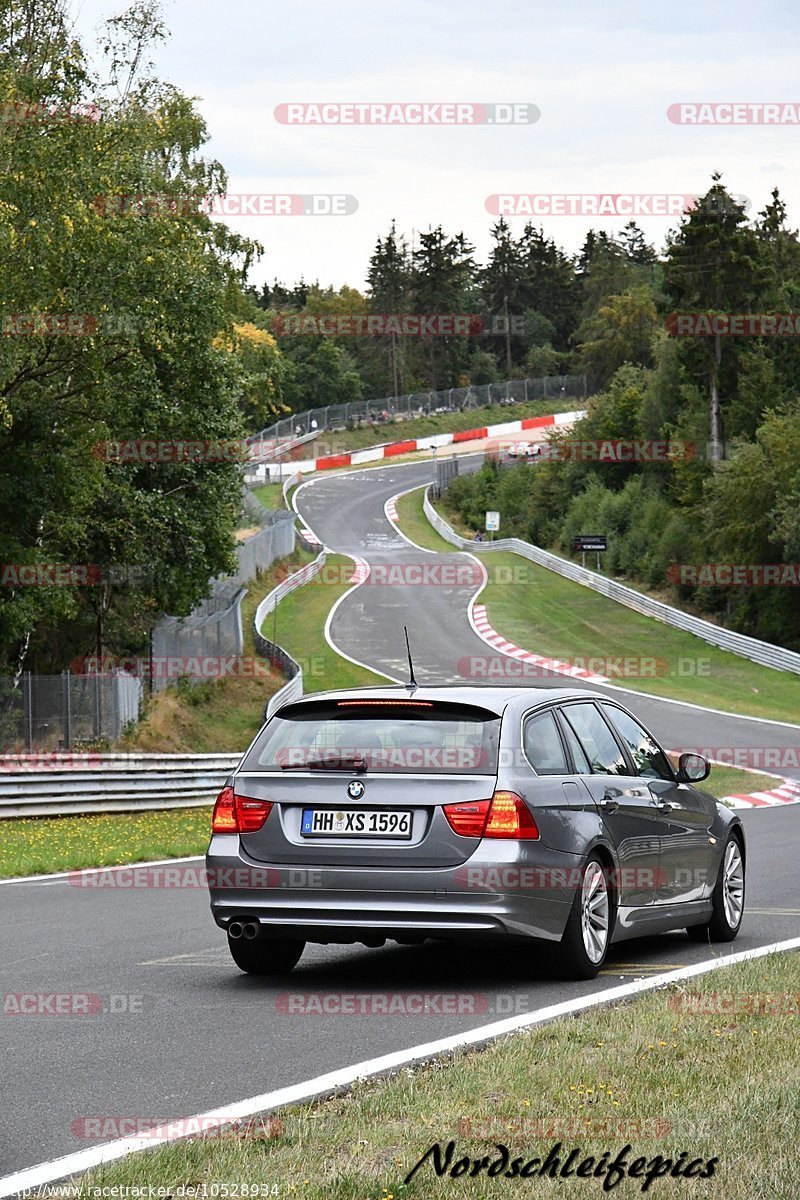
[(321, 1085), (327, 631), (156, 862), (390, 512)]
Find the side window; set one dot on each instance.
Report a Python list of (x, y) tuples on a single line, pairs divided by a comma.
[(599, 744), (649, 760), (543, 746), (582, 765)]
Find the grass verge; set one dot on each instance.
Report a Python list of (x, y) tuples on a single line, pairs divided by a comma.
[(679, 1074), (415, 525), (554, 617), (270, 495), (38, 845), (298, 624), (730, 781)]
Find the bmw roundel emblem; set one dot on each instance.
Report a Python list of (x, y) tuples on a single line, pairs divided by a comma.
[(355, 789)]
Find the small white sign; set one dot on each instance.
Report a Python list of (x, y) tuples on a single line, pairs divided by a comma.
[(492, 521)]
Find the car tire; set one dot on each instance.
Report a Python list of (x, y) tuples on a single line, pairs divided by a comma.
[(727, 899), (263, 956), (588, 931)]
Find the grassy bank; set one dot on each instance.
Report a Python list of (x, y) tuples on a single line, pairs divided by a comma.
[(672, 1075), (220, 714), (38, 845), (554, 617), (415, 524), (270, 495), (298, 624)]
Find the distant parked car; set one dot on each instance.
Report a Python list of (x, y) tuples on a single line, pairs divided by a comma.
[(478, 813)]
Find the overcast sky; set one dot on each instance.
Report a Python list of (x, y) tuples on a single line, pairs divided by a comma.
[(602, 75)]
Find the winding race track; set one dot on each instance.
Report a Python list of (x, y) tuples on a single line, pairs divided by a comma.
[(173, 1029), (347, 514)]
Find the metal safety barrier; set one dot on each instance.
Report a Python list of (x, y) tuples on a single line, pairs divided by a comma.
[(62, 785), (757, 651), (293, 688)]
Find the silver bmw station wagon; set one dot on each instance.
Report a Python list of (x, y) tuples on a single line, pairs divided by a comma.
[(403, 814)]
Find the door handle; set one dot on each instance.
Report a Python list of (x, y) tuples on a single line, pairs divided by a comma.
[(665, 805), (608, 804)]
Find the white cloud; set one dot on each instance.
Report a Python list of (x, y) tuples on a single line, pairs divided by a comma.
[(603, 77)]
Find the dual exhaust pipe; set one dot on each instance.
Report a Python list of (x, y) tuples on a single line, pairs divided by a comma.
[(244, 929)]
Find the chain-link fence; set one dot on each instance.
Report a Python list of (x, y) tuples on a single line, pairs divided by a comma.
[(197, 645), (418, 404), (59, 712)]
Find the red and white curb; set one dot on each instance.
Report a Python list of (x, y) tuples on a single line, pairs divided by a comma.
[(390, 508), (361, 573), (308, 534), (353, 458), (480, 624), (787, 793)]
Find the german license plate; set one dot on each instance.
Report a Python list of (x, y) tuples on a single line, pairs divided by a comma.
[(356, 822)]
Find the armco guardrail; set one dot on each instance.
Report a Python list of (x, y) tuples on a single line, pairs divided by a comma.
[(98, 783), (293, 688), (41, 785), (726, 639)]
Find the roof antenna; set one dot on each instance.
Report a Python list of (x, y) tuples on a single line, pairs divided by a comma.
[(412, 683)]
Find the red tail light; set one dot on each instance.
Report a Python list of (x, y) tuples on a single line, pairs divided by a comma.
[(506, 815), (510, 817), (238, 814), (224, 817), (468, 819)]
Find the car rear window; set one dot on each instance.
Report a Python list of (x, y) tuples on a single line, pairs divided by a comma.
[(402, 737)]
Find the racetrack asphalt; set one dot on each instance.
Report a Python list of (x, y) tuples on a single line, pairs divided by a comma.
[(190, 1032)]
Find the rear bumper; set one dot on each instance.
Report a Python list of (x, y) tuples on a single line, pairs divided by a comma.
[(332, 904)]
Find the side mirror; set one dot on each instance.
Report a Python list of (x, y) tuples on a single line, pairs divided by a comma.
[(692, 768)]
